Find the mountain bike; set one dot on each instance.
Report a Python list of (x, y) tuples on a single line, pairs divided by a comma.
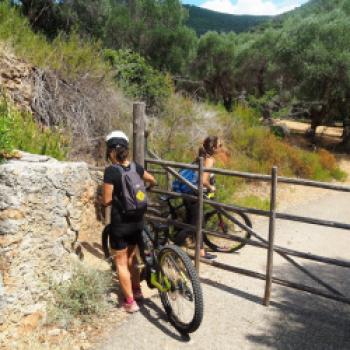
[(168, 268), (213, 220)]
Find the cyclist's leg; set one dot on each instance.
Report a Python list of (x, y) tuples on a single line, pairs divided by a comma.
[(124, 276), (133, 242), (191, 216), (120, 243)]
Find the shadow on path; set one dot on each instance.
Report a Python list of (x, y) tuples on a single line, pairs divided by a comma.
[(154, 314), (231, 290), (95, 249), (305, 321)]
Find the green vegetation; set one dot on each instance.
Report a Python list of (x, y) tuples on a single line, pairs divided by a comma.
[(203, 20), (19, 131), (301, 57), (154, 29), (138, 79), (255, 148), (252, 201), (215, 66), (69, 56), (251, 147), (83, 295), (6, 142)]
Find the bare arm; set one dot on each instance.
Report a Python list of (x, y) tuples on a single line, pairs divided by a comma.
[(147, 177), (107, 194), (208, 163)]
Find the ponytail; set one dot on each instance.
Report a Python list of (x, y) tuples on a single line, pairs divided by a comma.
[(210, 144)]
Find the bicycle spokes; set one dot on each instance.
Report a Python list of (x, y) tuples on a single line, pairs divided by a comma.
[(226, 228), (180, 295)]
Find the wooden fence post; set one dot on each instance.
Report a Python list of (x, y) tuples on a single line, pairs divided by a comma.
[(146, 147), (199, 235), (272, 225), (139, 132)]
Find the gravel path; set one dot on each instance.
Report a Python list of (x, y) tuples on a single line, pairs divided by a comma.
[(234, 317)]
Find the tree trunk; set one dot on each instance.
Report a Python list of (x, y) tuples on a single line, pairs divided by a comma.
[(228, 101), (346, 135), (317, 116), (260, 80)]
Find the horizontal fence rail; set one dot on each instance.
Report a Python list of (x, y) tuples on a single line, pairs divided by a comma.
[(284, 252), (259, 212), (154, 215), (252, 176), (275, 280), (278, 249)]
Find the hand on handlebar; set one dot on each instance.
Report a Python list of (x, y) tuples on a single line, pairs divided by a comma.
[(150, 186), (210, 191)]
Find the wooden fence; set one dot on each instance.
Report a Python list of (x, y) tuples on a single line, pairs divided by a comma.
[(140, 146)]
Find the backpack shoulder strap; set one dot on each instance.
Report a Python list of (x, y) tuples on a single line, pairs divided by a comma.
[(119, 167), (132, 166)]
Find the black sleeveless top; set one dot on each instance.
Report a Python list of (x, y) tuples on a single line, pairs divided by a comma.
[(112, 176)]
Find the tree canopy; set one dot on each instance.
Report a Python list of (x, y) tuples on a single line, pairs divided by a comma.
[(304, 54)]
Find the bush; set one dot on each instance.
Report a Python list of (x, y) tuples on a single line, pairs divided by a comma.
[(84, 294), (18, 130), (138, 79), (70, 56), (6, 145), (256, 149)]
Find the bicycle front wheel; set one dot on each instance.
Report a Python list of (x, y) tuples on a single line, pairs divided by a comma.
[(183, 302), (215, 221)]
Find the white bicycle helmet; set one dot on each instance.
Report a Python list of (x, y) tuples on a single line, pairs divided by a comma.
[(117, 137)]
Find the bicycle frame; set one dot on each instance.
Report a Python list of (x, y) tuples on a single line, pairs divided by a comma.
[(172, 210), (154, 275)]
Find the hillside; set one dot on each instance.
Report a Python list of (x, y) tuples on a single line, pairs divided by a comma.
[(203, 20), (80, 91)]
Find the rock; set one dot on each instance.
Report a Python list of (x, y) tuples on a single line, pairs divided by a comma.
[(31, 309), (31, 322), (9, 226), (44, 206), (83, 335), (54, 332)]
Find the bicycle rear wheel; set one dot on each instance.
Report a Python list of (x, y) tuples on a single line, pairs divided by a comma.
[(106, 248), (215, 221), (183, 303)]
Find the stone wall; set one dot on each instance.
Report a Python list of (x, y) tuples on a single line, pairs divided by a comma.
[(44, 206)]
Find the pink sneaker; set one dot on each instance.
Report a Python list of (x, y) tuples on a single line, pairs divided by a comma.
[(131, 307)]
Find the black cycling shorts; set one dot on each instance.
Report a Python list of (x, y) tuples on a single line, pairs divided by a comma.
[(125, 235)]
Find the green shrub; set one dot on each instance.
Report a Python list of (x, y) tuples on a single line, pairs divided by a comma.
[(70, 56), (138, 79), (251, 201), (6, 145), (18, 130), (256, 149), (259, 103), (84, 294)]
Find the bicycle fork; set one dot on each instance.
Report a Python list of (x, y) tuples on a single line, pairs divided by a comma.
[(160, 282)]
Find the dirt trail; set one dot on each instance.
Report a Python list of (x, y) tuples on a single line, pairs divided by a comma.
[(303, 127), (234, 317)]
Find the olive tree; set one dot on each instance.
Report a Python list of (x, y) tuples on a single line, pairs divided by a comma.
[(314, 56), (214, 65)]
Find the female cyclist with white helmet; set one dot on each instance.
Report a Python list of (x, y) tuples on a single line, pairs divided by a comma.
[(126, 226)]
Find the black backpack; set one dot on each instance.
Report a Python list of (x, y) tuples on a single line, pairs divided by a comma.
[(134, 198)]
